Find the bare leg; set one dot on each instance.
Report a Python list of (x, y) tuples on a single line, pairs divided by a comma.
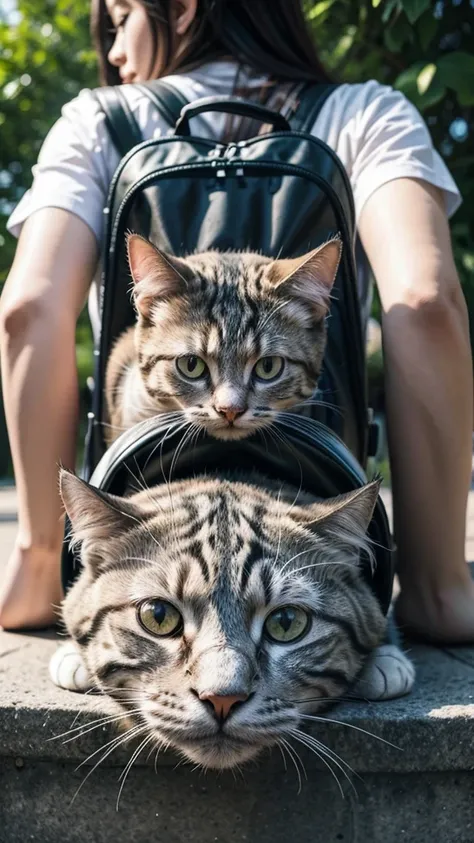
[(31, 590)]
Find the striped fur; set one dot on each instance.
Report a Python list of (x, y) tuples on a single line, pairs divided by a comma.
[(225, 554), (230, 310)]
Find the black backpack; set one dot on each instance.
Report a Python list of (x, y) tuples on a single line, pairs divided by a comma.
[(281, 193)]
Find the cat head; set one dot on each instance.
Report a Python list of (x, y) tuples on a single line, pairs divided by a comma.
[(218, 613), (233, 338)]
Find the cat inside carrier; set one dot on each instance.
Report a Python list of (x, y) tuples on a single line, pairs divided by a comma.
[(283, 197)]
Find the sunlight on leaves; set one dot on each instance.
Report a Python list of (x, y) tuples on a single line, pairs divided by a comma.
[(320, 9), (425, 78)]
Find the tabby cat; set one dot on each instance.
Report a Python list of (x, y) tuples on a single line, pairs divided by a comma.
[(228, 339), (218, 612)]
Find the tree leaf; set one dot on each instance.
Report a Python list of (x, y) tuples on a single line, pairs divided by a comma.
[(398, 34), (388, 8), (320, 8), (456, 71), (415, 8), (425, 77), (427, 27), (407, 82)]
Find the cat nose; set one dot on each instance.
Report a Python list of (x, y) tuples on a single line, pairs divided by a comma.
[(230, 413), (222, 705)]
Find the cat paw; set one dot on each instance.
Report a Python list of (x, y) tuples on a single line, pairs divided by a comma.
[(67, 669), (387, 675)]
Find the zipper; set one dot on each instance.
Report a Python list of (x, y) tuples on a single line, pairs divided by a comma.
[(247, 143), (288, 169)]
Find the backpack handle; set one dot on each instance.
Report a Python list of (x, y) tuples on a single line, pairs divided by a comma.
[(230, 105)]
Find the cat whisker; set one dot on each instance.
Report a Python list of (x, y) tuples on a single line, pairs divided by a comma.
[(85, 728), (185, 438), (130, 764), (113, 426), (324, 719), (319, 565), (280, 435), (105, 719), (280, 527), (326, 698), (143, 486), (330, 752), (140, 481), (301, 553), (172, 431), (169, 489), (136, 559), (282, 755), (117, 742), (323, 756), (197, 433), (312, 402), (263, 324), (296, 760), (113, 742)]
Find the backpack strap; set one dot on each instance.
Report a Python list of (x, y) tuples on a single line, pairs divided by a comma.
[(167, 99), (311, 99), (119, 119)]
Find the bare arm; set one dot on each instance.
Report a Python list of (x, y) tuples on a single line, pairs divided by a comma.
[(42, 299), (429, 394)]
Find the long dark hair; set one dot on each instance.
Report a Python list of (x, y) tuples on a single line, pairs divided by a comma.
[(270, 36)]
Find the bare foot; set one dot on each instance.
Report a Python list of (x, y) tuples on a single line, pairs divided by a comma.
[(31, 590), (439, 616)]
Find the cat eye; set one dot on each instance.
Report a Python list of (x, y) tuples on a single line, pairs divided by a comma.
[(191, 366), (159, 617), (268, 368), (286, 624)]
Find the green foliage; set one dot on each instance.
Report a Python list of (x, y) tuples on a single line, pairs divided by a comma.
[(45, 59), (424, 49)]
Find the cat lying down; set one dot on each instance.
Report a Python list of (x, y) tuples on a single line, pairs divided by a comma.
[(218, 613)]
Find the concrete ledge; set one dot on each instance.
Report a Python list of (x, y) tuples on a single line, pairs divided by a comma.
[(433, 727), (187, 808)]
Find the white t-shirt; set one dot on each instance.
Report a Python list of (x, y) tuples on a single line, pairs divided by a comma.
[(375, 131)]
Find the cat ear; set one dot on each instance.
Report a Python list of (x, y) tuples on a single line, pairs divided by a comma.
[(310, 277), (344, 519), (157, 275), (96, 517)]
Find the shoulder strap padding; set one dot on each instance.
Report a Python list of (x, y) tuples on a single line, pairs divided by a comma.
[(120, 121), (310, 102)]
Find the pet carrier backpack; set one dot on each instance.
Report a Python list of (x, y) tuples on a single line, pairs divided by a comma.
[(281, 193)]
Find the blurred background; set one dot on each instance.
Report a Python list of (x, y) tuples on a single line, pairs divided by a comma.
[(421, 47)]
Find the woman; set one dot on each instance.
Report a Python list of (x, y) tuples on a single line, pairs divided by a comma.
[(403, 194)]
